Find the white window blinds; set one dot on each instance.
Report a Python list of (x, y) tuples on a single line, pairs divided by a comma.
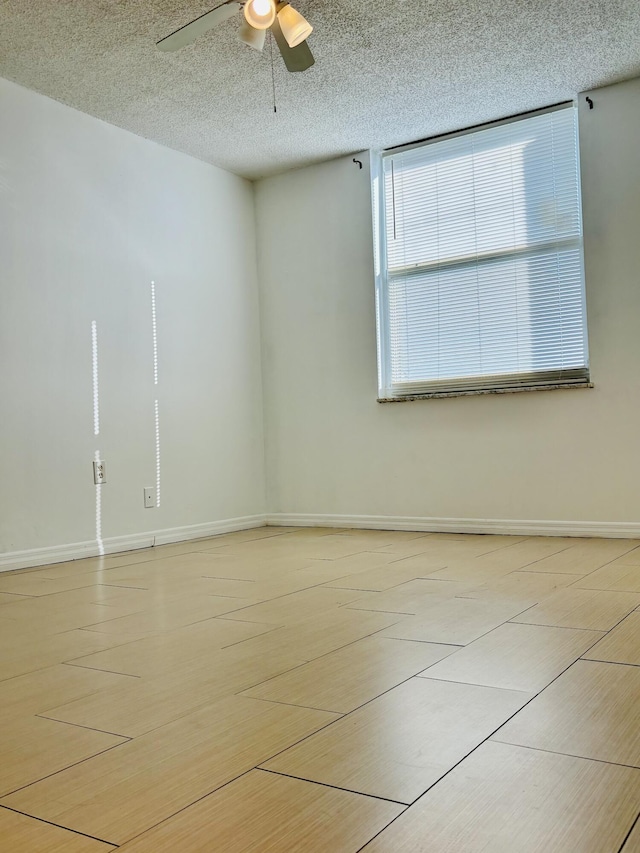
[(480, 267)]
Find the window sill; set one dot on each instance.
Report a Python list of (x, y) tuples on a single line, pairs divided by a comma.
[(431, 395)]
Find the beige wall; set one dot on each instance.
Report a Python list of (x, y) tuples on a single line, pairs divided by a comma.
[(564, 456)]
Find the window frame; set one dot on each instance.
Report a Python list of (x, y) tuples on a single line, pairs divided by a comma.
[(378, 200)]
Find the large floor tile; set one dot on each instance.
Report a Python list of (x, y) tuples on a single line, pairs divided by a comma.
[(36, 692), (409, 548), (515, 556), (303, 579), (456, 620), (590, 711), (345, 679), (52, 614), (516, 657), (522, 587), (22, 834), (144, 704), (466, 547), (327, 546), (25, 653), (619, 576), (597, 610), (384, 577), (297, 606), (632, 844), (585, 556), (622, 645), (381, 538), (409, 597), (33, 748), (528, 550), (252, 534), (172, 651), (173, 615), (469, 572), (33, 584), (504, 799), (124, 792), (225, 567), (265, 813), (12, 597), (631, 558), (320, 634), (401, 743)]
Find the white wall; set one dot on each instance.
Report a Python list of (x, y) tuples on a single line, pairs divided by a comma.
[(332, 449), (90, 215)]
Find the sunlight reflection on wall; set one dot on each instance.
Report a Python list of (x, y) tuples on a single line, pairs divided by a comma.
[(96, 430), (154, 327)]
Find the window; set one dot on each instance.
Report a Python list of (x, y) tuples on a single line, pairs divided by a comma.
[(479, 269)]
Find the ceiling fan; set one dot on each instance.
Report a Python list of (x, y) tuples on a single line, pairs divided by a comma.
[(289, 28)]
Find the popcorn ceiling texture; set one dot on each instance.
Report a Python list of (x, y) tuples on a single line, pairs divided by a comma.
[(386, 72)]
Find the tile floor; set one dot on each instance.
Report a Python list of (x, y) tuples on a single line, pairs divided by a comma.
[(325, 691)]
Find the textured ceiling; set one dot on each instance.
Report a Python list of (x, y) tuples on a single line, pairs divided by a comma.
[(385, 73)]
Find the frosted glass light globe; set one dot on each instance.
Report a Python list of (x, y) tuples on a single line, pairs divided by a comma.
[(260, 14)]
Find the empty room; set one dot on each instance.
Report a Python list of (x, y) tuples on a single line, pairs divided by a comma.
[(319, 458)]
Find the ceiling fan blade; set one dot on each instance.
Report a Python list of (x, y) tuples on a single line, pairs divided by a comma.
[(190, 32), (295, 58)]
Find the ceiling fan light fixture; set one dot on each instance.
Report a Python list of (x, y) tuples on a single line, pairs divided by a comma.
[(295, 28), (251, 36), (260, 14)]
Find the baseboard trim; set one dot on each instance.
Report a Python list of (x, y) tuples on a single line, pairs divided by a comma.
[(514, 527), (78, 550), (212, 528)]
